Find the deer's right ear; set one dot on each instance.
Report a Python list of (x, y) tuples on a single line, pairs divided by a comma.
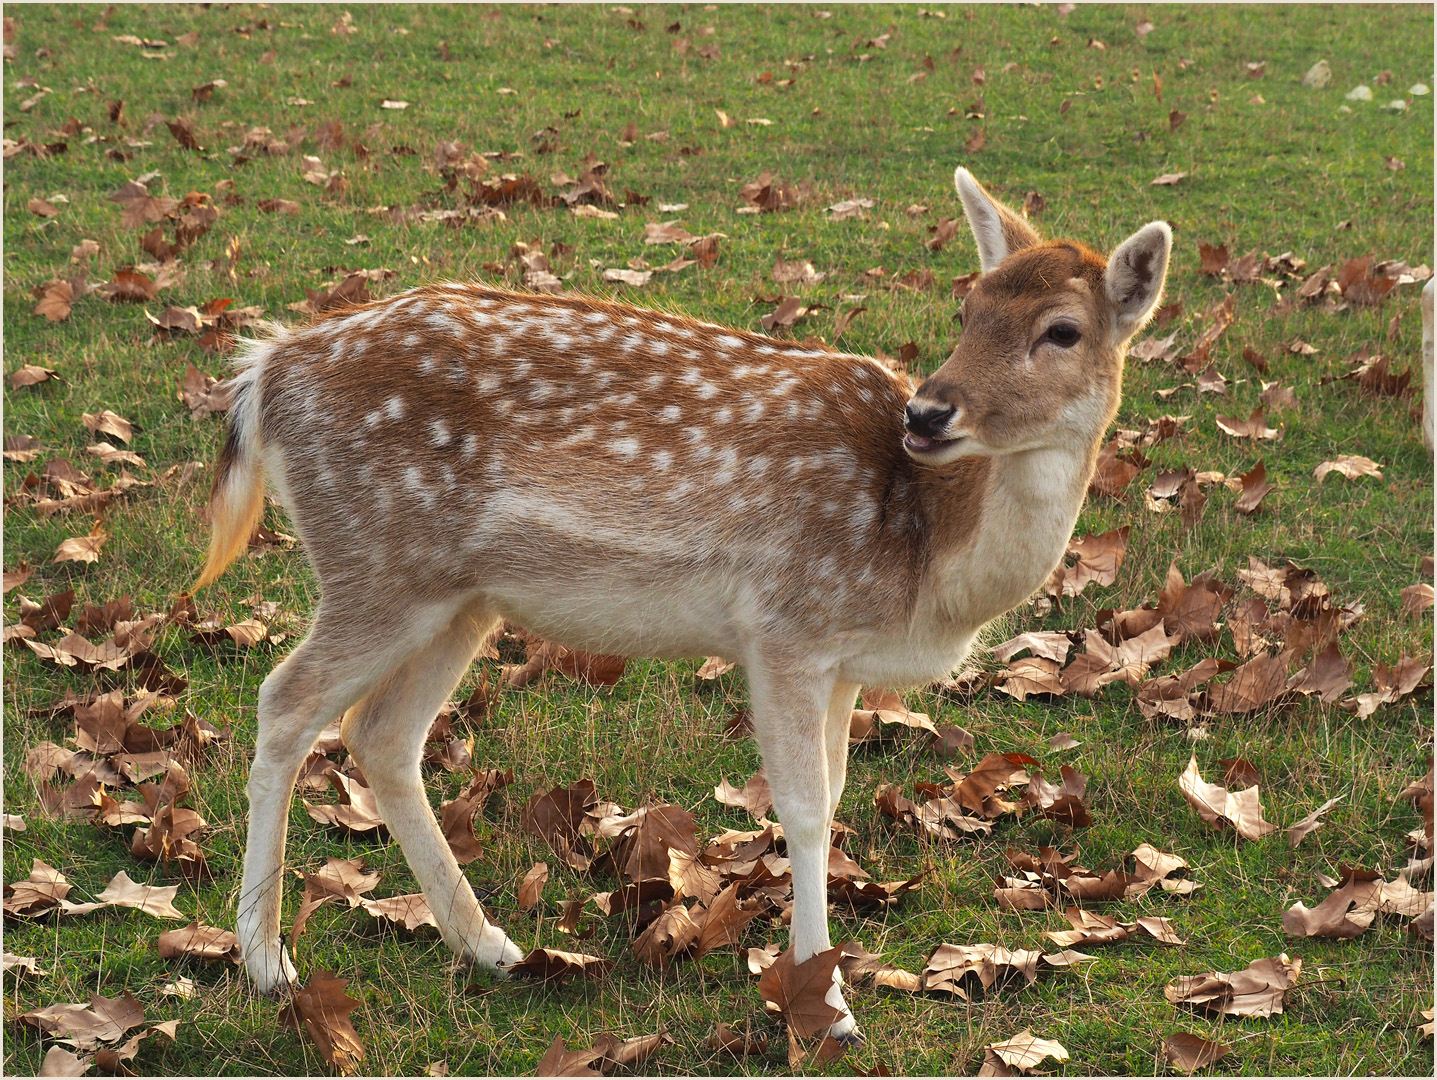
[(997, 230)]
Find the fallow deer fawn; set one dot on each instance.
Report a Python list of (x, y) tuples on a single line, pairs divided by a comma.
[(634, 482)]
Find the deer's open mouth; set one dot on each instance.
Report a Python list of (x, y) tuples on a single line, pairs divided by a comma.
[(922, 444)]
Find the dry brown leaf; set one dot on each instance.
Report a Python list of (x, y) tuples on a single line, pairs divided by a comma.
[(1240, 811), (1188, 1052), (410, 911), (344, 879), (45, 888), (558, 1060), (1255, 684), (1053, 645), (531, 889), (596, 669), (105, 1020), (1393, 684), (547, 964), (321, 1010), (797, 991), (1260, 989), (1295, 833), (151, 899), (60, 1062), (1114, 472), (1328, 675), (83, 549), (56, 299), (1254, 427), (713, 667), (1154, 867), (740, 1044), (200, 942), (356, 810), (1024, 1051), (1345, 913), (1350, 466), (1417, 598), (1255, 488), (755, 796)]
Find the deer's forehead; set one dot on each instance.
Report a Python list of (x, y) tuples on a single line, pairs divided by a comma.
[(1037, 275)]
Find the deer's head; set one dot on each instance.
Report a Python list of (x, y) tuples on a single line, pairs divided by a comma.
[(1039, 362)]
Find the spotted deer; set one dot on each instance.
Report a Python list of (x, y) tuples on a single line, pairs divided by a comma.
[(636, 482)]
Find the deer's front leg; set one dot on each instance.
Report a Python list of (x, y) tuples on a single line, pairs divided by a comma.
[(789, 719)]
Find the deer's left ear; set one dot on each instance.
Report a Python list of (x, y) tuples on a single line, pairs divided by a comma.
[(1134, 281)]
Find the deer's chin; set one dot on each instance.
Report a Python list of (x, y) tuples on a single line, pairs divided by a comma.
[(932, 451)]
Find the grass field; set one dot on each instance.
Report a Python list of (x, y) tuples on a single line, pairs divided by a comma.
[(884, 102)]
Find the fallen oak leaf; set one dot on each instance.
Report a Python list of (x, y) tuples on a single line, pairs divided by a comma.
[(151, 899), (1349, 465), (200, 942), (548, 964), (558, 1060), (84, 549), (60, 1062), (1024, 1051), (1254, 427), (105, 1020), (1188, 1052), (755, 796), (1255, 488), (410, 911), (31, 374), (321, 1010), (1241, 811), (531, 889), (797, 992), (1260, 989)]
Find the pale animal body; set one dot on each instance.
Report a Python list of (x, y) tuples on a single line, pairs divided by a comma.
[(643, 483), (1428, 385)]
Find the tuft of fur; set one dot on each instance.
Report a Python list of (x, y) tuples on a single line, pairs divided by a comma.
[(237, 495)]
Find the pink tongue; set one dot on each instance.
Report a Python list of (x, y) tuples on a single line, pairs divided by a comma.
[(919, 442)]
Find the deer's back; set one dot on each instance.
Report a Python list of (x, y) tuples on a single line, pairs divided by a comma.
[(578, 462)]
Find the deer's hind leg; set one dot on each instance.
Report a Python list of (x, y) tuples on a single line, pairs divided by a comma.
[(335, 666), (385, 732)]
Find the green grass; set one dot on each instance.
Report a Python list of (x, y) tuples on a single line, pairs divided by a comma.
[(1275, 176)]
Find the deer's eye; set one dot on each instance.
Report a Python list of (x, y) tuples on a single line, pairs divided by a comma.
[(1065, 335)]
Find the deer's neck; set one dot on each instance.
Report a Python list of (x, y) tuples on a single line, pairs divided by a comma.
[(998, 526)]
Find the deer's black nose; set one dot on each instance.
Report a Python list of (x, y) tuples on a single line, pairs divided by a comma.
[(927, 420)]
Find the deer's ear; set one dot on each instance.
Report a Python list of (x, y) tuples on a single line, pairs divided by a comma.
[(997, 230), (1134, 280)]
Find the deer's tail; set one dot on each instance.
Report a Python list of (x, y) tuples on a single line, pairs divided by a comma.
[(237, 496)]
